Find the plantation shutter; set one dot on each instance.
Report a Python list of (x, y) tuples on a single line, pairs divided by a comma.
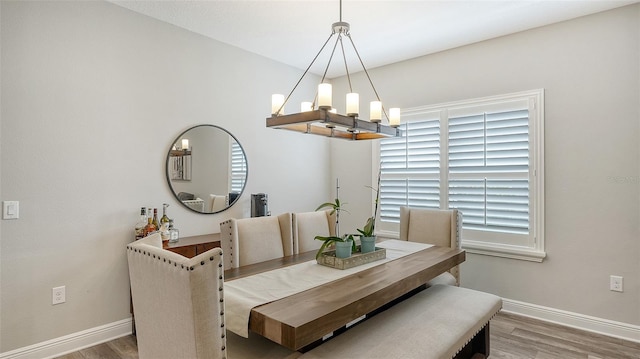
[(484, 157), (410, 169), (488, 157)]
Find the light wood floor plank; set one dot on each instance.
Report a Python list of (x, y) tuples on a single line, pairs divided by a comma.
[(74, 355), (512, 337), (126, 347), (100, 351)]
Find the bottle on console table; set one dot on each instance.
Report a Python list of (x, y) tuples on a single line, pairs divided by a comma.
[(164, 233), (174, 234), (155, 219), (142, 222), (150, 227), (165, 218)]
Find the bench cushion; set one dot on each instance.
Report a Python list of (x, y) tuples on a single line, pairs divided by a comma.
[(435, 323)]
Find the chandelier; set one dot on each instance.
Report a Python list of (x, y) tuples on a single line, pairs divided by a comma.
[(320, 118)]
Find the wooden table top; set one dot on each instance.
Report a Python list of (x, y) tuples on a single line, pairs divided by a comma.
[(301, 319), (193, 240)]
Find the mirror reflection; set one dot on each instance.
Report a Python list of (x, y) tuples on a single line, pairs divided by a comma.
[(206, 169)]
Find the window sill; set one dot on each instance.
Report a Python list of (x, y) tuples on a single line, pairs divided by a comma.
[(504, 251), (496, 250)]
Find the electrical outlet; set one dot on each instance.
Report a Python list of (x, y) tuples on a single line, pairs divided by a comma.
[(59, 295), (615, 283)]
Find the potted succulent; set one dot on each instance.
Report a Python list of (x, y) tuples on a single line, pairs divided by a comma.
[(367, 233)]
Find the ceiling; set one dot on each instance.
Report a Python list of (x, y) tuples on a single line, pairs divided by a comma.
[(383, 32)]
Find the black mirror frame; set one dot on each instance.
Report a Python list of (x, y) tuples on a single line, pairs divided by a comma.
[(175, 195)]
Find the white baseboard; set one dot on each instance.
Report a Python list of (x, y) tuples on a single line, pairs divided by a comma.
[(72, 342), (574, 320)]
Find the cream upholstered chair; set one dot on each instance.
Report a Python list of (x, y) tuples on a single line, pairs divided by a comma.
[(257, 239), (179, 307), (437, 227), (308, 225), (176, 300)]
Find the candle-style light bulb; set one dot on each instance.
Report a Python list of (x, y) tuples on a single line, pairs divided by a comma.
[(277, 100), (353, 104), (394, 117), (324, 95), (375, 111)]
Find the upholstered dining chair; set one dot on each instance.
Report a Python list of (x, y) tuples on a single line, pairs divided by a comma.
[(437, 227), (256, 239), (179, 307), (308, 225)]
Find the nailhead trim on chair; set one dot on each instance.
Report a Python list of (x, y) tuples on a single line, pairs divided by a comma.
[(202, 263), (230, 254), (175, 264)]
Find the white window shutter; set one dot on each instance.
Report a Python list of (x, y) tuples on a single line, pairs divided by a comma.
[(488, 170), (410, 169), (484, 157)]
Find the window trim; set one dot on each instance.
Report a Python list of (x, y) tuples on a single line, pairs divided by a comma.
[(535, 98)]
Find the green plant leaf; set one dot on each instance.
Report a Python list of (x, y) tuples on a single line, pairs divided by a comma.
[(368, 229), (322, 248), (331, 239), (326, 205)]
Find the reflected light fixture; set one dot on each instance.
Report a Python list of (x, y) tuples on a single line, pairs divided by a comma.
[(320, 118)]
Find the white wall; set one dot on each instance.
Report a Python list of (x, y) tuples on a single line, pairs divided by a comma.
[(92, 97), (589, 68)]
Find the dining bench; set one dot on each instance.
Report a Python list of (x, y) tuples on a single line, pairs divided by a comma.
[(439, 322)]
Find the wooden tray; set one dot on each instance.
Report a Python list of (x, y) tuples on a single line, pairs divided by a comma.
[(329, 258)]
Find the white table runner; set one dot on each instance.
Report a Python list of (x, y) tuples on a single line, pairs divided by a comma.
[(243, 294)]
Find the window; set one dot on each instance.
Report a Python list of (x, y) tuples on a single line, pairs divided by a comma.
[(483, 157)]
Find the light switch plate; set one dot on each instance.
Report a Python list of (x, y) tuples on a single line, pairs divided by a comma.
[(10, 209)]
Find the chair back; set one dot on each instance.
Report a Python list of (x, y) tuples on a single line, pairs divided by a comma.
[(308, 225), (432, 226), (178, 301), (257, 239)]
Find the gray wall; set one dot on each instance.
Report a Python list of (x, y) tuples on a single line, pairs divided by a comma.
[(590, 70), (93, 95)]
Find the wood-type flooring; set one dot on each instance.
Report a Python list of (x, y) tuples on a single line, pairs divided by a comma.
[(512, 337)]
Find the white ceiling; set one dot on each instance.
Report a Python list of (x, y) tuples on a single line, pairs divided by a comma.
[(384, 32)]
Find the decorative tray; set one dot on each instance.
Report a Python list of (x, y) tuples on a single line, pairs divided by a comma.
[(329, 258)]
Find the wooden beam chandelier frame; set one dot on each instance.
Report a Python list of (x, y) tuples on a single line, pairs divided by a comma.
[(319, 118)]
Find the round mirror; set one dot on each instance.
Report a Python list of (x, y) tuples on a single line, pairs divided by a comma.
[(206, 169)]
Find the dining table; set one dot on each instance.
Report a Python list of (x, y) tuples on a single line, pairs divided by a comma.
[(296, 302)]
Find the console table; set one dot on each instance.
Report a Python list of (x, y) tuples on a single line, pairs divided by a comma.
[(194, 245)]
